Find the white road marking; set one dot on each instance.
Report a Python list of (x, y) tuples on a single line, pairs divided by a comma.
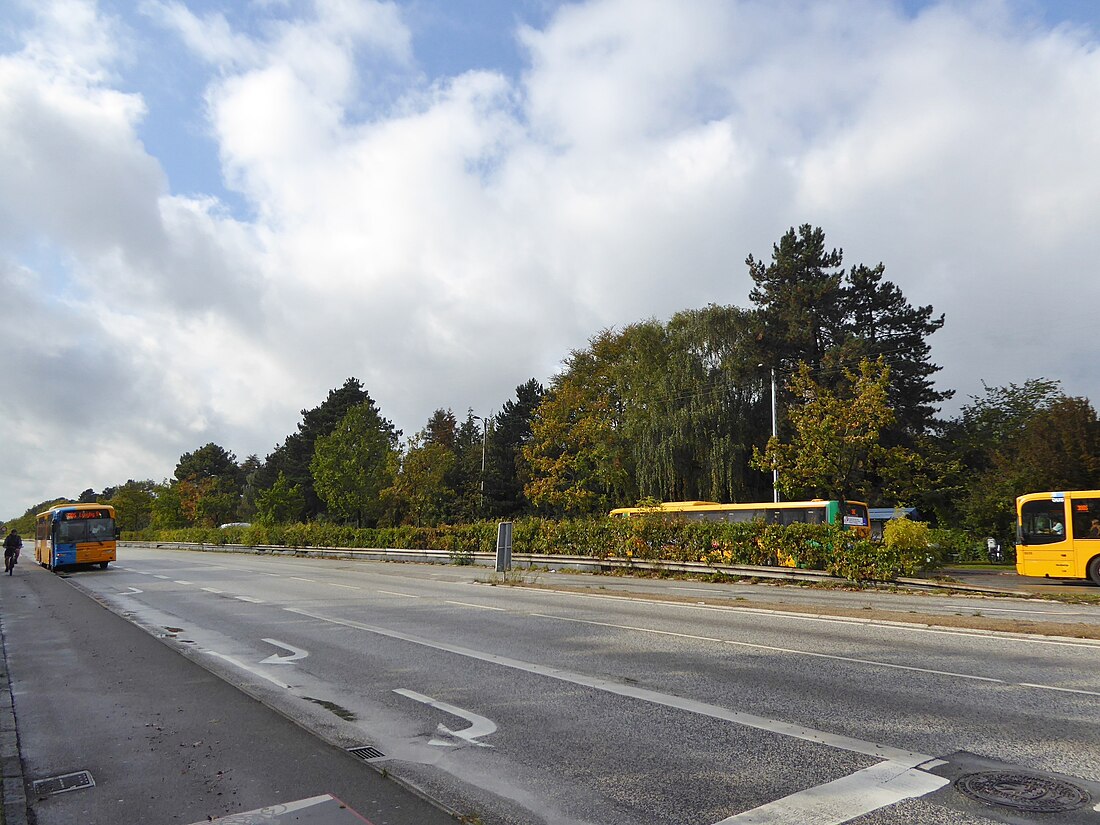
[(158, 576), (903, 757), (479, 725), (479, 606), (844, 799), (295, 654), (212, 590), (1060, 689), (345, 586), (181, 581), (249, 599), (395, 593), (301, 579), (249, 668), (772, 648), (133, 592)]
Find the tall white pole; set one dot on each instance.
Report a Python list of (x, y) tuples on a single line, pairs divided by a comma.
[(775, 435)]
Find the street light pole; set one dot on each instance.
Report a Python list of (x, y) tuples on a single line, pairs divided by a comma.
[(484, 436), (775, 435)]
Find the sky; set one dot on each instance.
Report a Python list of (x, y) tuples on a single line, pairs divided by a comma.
[(212, 212)]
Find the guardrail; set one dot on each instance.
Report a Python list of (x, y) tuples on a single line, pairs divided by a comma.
[(523, 560), (554, 563)]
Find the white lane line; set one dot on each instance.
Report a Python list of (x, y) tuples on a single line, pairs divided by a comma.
[(133, 592), (249, 668), (345, 586), (772, 648), (301, 579), (158, 576), (395, 593), (212, 590), (478, 606), (249, 599), (180, 581), (1061, 689), (844, 799), (903, 757), (1029, 639)]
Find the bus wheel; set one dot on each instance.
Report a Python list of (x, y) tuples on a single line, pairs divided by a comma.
[(1094, 570), (103, 565)]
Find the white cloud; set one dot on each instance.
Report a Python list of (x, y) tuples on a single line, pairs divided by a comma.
[(449, 239)]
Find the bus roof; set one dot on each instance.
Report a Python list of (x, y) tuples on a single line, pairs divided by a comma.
[(1057, 494), (76, 506)]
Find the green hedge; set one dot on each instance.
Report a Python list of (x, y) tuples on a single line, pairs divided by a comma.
[(651, 539)]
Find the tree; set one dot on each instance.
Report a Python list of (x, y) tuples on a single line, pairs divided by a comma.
[(355, 463), (505, 470), (578, 455), (420, 492), (1014, 440), (835, 448), (282, 503), (89, 496), (811, 311), (208, 483), (168, 511), (799, 295), (133, 503), (294, 456)]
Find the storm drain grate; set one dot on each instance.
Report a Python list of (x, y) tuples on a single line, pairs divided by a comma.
[(61, 784), (366, 753), (1023, 791)]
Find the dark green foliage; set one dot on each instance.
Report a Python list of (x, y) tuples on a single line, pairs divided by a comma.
[(813, 312), (294, 455), (505, 470)]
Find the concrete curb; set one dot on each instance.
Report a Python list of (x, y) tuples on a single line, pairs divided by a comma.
[(11, 764)]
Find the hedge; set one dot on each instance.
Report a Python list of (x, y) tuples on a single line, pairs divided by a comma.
[(653, 539)]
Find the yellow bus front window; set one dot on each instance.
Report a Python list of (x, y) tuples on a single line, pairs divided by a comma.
[(1042, 522), (1086, 518)]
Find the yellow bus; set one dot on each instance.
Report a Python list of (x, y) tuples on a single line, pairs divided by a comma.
[(852, 515), (71, 534), (1058, 535)]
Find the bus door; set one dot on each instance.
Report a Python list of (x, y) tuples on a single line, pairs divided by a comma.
[(1085, 530), (1045, 547)]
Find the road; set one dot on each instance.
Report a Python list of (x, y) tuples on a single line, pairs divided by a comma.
[(524, 705)]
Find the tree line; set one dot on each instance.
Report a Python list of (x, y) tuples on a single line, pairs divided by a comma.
[(673, 410)]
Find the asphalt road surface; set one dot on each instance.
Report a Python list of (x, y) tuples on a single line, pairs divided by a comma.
[(520, 705)]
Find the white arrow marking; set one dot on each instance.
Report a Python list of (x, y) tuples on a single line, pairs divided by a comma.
[(276, 659), (133, 592), (479, 725)]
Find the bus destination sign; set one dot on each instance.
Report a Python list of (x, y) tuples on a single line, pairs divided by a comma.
[(74, 515)]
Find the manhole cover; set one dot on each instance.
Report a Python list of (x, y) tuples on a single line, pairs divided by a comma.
[(1022, 791), (60, 784)]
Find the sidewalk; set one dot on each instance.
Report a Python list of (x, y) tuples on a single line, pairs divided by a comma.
[(162, 740)]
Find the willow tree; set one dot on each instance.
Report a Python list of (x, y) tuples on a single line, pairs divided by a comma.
[(696, 407)]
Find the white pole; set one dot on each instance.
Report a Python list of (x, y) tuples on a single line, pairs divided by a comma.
[(775, 435)]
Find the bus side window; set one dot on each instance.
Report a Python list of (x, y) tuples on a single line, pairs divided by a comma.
[(1086, 518), (815, 516)]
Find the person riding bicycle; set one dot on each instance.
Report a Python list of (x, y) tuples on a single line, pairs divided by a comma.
[(12, 546)]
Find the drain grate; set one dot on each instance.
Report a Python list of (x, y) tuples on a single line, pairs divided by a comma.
[(1023, 791), (366, 753), (61, 784)]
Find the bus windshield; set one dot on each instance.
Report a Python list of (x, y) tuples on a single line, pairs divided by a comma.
[(98, 529), (1042, 522)]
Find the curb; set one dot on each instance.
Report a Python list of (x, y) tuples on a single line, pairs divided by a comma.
[(14, 785)]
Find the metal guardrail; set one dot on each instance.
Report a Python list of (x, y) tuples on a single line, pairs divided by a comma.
[(561, 562), (524, 560)]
